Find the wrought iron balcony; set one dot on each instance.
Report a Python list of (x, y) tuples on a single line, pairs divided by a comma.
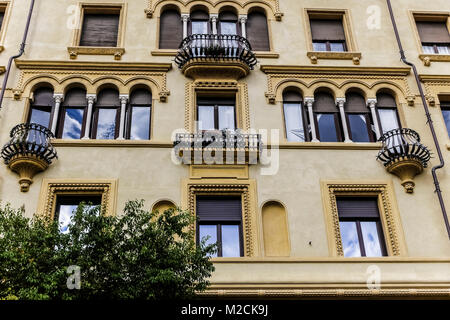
[(403, 155), (217, 147), (213, 49), (29, 151)]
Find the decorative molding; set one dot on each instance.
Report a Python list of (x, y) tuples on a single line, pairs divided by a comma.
[(314, 56), (51, 188), (435, 85), (113, 51), (215, 69), (229, 186), (62, 74), (389, 216), (272, 6), (338, 79)]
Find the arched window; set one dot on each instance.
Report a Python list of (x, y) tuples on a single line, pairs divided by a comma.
[(170, 29), (387, 112), (41, 110), (228, 23), (326, 117), (105, 123), (294, 116), (257, 31), (72, 116), (139, 115), (358, 118), (199, 22)]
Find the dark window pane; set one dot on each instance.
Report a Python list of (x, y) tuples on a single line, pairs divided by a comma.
[(73, 119), (209, 231), (371, 239), (226, 117), (41, 117), (446, 114), (388, 119), (294, 122), (206, 118), (349, 237), (327, 127), (66, 206), (358, 128), (230, 241), (140, 123), (106, 124)]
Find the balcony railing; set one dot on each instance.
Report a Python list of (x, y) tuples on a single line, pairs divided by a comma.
[(401, 144), (198, 47), (207, 146)]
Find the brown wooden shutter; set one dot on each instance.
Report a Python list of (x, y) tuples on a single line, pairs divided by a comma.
[(357, 207), (433, 32), (219, 208), (43, 97), (100, 30), (75, 97), (108, 98), (355, 102), (327, 30), (324, 102), (170, 30), (257, 31), (385, 100)]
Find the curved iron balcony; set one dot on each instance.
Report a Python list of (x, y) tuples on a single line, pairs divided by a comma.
[(403, 155), (231, 144), (216, 47), (29, 151)]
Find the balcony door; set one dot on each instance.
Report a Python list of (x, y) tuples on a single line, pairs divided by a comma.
[(216, 113)]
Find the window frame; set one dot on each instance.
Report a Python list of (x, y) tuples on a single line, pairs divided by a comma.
[(337, 124), (129, 118), (40, 107), (219, 225), (305, 120), (62, 118), (95, 118), (369, 125), (5, 7), (215, 103), (445, 105)]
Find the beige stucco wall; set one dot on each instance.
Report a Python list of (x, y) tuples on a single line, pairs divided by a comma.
[(147, 171)]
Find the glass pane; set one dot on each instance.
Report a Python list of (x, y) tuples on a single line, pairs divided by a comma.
[(327, 127), (337, 46), (206, 118), (230, 241), (106, 125), (140, 123), (40, 117), (211, 231), (226, 117), (358, 128), (65, 214), (349, 237), (428, 49), (319, 46), (446, 115), (199, 27), (443, 49), (228, 28), (371, 239), (388, 119), (294, 122), (73, 120)]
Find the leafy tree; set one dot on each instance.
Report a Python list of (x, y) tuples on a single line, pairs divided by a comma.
[(137, 255)]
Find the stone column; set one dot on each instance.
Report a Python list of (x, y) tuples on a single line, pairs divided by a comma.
[(309, 104), (243, 21), (214, 18), (185, 19), (59, 97), (87, 130), (340, 103), (123, 106), (371, 103)]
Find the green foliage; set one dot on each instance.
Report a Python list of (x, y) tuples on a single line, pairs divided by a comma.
[(137, 255)]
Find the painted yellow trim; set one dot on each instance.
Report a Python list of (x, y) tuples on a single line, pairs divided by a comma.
[(110, 143)]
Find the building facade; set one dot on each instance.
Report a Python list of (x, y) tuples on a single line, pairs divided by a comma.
[(291, 129)]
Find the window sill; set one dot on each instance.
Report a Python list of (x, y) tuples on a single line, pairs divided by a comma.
[(314, 56), (266, 54), (428, 58), (110, 143), (164, 52), (113, 51), (327, 145)]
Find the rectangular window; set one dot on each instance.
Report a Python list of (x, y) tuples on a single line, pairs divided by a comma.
[(328, 35), (100, 29), (216, 113), (67, 204), (361, 230), (72, 123), (220, 219), (360, 127), (328, 128), (106, 123), (293, 114), (435, 36), (445, 107)]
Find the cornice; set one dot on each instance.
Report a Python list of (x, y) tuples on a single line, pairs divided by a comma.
[(434, 77), (292, 69), (92, 65)]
